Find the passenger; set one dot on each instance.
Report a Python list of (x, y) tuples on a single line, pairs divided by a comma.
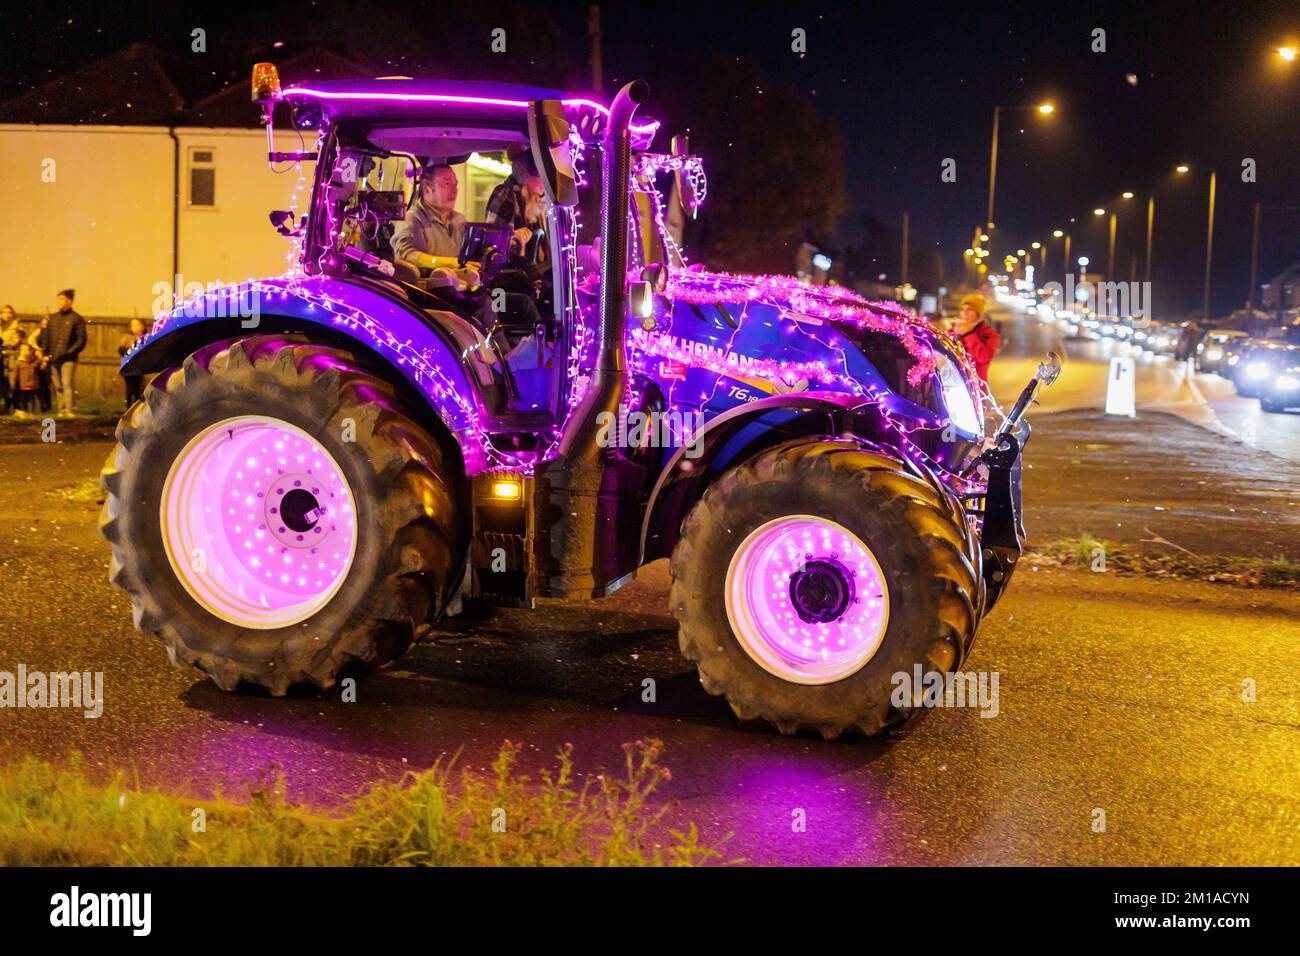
[(520, 201), (433, 227)]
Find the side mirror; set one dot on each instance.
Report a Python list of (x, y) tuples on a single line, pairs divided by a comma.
[(282, 219), (548, 132)]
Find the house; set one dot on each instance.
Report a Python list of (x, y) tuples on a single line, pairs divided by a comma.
[(133, 170), (1281, 294)]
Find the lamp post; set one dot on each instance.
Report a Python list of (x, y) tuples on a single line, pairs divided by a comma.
[(1254, 252), (1209, 237), (1151, 223), (1043, 108), (1209, 244)]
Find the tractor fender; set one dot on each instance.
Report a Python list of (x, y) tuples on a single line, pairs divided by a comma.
[(418, 357), (740, 433)]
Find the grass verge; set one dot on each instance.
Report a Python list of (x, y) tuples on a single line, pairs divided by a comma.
[(437, 817), (1097, 554)]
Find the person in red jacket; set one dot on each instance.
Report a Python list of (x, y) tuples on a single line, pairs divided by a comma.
[(978, 337)]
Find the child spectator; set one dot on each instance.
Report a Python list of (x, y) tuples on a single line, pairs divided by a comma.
[(134, 383), (27, 379)]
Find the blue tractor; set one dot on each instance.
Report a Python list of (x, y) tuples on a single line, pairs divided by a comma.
[(328, 459)]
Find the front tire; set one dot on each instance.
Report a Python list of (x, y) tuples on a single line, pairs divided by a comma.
[(806, 579), (276, 517)]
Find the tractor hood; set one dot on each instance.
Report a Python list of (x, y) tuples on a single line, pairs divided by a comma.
[(782, 334)]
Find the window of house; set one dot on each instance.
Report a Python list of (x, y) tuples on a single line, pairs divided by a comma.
[(203, 177)]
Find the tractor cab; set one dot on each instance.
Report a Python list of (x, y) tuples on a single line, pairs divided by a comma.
[(505, 295)]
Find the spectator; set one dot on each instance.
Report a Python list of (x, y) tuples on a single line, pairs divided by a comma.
[(27, 379), (43, 397), (134, 383), (1188, 340), (978, 337), (11, 336), (62, 341)]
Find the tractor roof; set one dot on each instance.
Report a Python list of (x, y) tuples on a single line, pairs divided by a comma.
[(449, 100)]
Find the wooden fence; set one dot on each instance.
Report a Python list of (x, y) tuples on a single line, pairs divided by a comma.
[(97, 368)]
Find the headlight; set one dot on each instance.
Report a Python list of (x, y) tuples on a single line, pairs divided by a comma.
[(963, 411), (1234, 360), (1214, 354), (1257, 370), (1287, 382)]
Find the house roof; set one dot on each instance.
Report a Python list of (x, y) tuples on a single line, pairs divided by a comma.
[(449, 99), (142, 85), (139, 85), (231, 106)]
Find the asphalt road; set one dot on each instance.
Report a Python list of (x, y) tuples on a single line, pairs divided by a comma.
[(1118, 694), (1163, 384)]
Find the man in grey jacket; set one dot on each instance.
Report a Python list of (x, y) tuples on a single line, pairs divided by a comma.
[(433, 227), (63, 340)]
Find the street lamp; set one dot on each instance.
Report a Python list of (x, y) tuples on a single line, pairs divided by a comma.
[(1110, 252), (1057, 233), (1099, 211), (1043, 109), (1285, 52), (1209, 239)]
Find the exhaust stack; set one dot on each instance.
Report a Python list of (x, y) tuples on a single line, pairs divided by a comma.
[(579, 537)]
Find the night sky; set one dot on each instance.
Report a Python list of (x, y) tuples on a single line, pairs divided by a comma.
[(911, 84)]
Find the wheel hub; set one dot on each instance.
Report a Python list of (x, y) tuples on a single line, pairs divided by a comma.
[(806, 599), (822, 590), (258, 521)]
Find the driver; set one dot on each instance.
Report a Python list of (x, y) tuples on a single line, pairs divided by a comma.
[(520, 201), (433, 227)]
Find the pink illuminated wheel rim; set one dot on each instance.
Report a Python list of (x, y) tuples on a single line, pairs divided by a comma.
[(258, 522), (807, 600)]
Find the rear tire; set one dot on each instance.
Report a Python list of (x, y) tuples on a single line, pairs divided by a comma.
[(406, 527), (918, 539)]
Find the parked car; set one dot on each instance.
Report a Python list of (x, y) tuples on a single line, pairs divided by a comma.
[(1258, 364), (1162, 337), (1214, 350), (1281, 392)]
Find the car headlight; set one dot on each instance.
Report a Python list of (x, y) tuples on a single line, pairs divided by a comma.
[(1287, 382), (1234, 360), (1257, 370), (963, 411), (1162, 341), (1214, 354)]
